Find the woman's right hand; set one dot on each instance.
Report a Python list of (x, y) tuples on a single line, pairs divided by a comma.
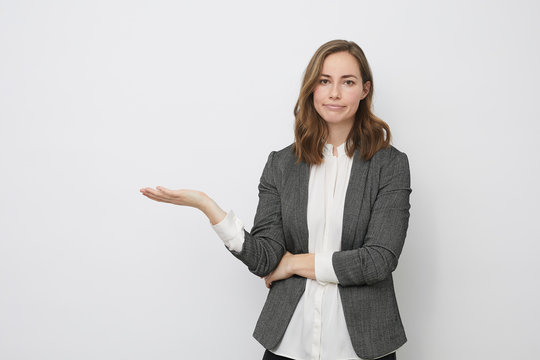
[(185, 197)]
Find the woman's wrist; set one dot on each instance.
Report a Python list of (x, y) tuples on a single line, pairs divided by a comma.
[(302, 265), (211, 209)]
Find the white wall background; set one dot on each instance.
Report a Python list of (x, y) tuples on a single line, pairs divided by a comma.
[(101, 98)]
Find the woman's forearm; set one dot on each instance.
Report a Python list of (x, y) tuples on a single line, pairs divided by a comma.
[(211, 209), (303, 265), (300, 264)]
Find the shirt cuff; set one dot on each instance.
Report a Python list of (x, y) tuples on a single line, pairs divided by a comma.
[(324, 270), (231, 231)]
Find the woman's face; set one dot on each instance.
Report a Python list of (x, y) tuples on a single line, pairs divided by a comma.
[(339, 91)]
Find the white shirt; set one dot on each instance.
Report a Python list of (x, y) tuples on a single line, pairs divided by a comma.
[(317, 330)]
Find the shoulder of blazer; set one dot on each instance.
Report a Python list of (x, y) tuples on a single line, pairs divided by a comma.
[(386, 155), (283, 158), (282, 164), (285, 155)]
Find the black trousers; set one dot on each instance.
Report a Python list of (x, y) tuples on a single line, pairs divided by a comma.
[(271, 356)]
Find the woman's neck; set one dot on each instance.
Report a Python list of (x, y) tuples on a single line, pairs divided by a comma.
[(337, 133)]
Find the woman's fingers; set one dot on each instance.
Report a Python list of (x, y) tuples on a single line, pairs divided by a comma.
[(267, 280), (161, 194), (184, 197), (153, 197), (153, 194)]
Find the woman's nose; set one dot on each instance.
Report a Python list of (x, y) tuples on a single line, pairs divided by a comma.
[(335, 92)]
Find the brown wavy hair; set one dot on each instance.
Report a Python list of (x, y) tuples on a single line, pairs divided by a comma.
[(311, 131)]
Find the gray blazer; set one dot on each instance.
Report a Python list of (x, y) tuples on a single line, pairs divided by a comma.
[(375, 222)]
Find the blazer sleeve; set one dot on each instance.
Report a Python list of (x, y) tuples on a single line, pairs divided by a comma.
[(386, 231), (264, 245)]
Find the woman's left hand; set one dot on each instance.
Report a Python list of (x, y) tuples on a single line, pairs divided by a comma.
[(282, 271)]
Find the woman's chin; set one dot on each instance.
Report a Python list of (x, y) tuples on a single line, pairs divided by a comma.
[(334, 121)]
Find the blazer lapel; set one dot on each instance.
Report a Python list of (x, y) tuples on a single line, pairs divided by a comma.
[(353, 200), (299, 200)]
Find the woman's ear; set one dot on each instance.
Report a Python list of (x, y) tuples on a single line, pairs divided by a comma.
[(366, 88)]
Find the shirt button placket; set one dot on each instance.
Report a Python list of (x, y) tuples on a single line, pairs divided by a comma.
[(317, 328)]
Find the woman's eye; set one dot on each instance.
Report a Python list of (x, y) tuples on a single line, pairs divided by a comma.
[(322, 81), (349, 82)]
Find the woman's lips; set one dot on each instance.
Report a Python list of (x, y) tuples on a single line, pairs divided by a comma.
[(334, 107)]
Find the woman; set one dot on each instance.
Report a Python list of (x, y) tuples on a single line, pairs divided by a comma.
[(331, 221)]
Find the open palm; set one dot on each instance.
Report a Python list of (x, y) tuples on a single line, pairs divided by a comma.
[(185, 197)]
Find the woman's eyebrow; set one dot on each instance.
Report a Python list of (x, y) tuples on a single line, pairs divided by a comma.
[(344, 76)]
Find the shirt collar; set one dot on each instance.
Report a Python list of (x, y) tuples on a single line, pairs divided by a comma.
[(328, 150)]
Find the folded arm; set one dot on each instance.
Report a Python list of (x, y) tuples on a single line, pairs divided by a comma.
[(383, 243), (387, 228)]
